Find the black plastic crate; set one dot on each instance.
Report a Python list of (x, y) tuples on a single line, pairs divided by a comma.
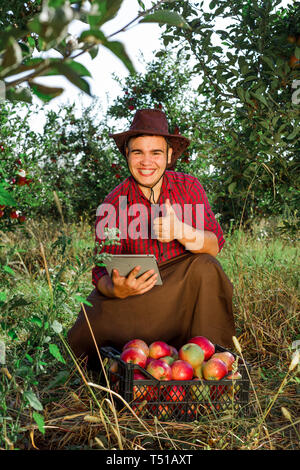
[(179, 400)]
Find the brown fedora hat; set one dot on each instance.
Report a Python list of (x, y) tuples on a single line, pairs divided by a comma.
[(152, 122)]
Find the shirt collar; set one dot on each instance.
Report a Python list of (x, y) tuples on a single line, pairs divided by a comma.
[(135, 191)]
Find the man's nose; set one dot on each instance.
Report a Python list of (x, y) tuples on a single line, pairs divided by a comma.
[(147, 159)]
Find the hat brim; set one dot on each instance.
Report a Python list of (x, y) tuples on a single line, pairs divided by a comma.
[(178, 143)]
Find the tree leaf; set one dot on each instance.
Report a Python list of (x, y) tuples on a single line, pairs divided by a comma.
[(45, 93), (166, 17), (33, 400), (94, 36), (74, 77), (119, 50)]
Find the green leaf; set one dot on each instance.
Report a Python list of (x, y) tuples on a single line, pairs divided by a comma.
[(33, 400), (82, 300), (36, 320), (77, 67), (103, 11), (166, 17), (93, 36), (297, 52), (54, 350), (119, 50), (74, 77), (2, 296), (39, 419), (6, 198), (45, 93)]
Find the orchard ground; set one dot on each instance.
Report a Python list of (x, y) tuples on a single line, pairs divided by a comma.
[(45, 397)]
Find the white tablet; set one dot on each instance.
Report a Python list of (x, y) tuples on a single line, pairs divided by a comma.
[(125, 263)]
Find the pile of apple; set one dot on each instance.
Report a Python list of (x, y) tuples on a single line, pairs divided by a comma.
[(195, 360)]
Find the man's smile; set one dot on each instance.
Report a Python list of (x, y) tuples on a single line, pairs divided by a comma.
[(146, 172)]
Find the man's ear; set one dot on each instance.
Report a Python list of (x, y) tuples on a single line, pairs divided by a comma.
[(170, 151)]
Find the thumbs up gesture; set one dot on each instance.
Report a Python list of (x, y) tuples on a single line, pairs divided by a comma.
[(167, 228)]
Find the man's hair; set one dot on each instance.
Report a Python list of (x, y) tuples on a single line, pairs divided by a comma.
[(126, 145)]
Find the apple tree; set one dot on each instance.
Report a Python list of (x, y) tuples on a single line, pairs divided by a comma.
[(247, 54)]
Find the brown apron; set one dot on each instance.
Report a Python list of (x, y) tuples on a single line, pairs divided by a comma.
[(195, 299)]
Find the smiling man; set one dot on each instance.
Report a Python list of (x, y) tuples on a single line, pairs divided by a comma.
[(176, 224)]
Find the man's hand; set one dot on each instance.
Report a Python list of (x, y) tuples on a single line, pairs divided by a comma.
[(128, 286), (169, 227)]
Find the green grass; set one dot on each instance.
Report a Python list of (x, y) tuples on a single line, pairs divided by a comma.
[(45, 400)]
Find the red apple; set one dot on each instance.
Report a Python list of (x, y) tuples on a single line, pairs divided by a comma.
[(159, 349), (137, 343), (1, 213), (214, 369), (160, 370), (205, 344), (149, 359), (182, 370), (226, 357), (134, 356), (191, 353)]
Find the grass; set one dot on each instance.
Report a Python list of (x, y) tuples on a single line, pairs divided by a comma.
[(49, 401)]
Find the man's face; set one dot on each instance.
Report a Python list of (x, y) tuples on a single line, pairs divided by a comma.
[(147, 158)]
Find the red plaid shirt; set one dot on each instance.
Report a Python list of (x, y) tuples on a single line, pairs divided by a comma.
[(180, 189)]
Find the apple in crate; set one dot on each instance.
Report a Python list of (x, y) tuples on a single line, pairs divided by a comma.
[(226, 357), (159, 349), (191, 353), (137, 343), (159, 369), (182, 370), (134, 356), (205, 344), (214, 369)]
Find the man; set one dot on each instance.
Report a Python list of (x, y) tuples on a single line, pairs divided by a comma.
[(183, 234)]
